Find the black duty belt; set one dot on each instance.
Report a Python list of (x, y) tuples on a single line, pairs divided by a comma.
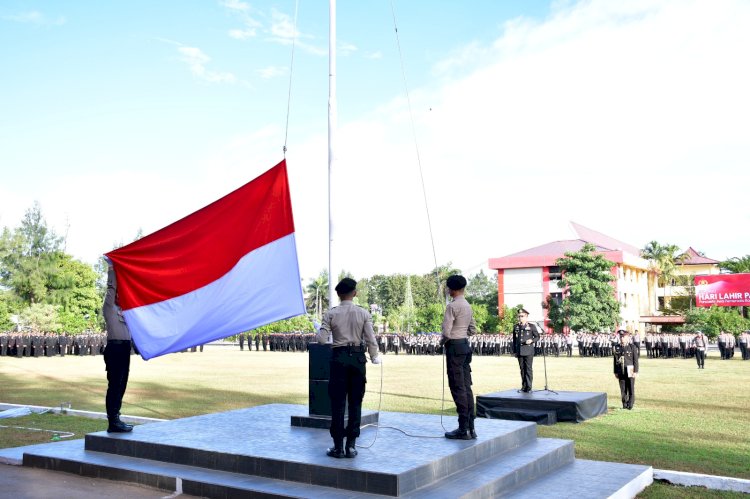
[(351, 348), (456, 342), (118, 342)]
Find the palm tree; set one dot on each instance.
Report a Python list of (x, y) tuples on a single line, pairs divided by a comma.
[(663, 260), (317, 295)]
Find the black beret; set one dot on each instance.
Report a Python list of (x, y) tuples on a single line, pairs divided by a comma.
[(622, 332), (346, 286), (523, 311), (456, 282)]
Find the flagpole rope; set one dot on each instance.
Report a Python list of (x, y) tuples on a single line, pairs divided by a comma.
[(424, 192), (291, 72)]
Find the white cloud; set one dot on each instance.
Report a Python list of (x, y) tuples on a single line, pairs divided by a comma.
[(235, 5), (272, 72), (345, 48), (35, 17), (197, 60), (243, 34), (629, 118)]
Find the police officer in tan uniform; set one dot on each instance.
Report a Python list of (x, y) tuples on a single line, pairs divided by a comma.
[(458, 325), (350, 330), (116, 355), (700, 342)]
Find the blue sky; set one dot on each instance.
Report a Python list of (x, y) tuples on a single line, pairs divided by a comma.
[(627, 117)]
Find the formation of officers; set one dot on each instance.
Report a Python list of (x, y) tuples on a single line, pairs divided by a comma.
[(35, 344)]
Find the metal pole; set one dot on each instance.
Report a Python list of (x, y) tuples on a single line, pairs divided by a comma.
[(332, 120)]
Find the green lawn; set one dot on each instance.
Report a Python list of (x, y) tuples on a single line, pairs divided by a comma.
[(684, 418)]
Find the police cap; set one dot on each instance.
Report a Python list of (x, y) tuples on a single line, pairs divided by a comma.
[(456, 282), (346, 286)]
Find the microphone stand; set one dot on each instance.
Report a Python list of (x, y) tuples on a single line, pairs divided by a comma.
[(546, 387)]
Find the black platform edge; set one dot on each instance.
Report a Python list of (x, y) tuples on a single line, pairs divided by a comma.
[(324, 422), (547, 418), (569, 406), (392, 484)]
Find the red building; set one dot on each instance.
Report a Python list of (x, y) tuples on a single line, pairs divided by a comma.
[(528, 277)]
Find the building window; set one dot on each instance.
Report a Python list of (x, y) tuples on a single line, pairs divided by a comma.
[(555, 273), (557, 298)]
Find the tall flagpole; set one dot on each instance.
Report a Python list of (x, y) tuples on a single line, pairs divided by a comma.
[(332, 120)]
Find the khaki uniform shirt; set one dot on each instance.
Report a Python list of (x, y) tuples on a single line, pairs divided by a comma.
[(458, 322), (115, 322), (349, 325)]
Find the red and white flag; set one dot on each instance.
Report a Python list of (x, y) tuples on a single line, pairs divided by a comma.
[(227, 268)]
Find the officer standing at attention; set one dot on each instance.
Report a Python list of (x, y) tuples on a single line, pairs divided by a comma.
[(116, 355), (350, 328), (458, 325), (626, 367), (700, 342), (525, 335)]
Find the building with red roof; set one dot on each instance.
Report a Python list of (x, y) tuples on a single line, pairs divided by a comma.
[(529, 276)]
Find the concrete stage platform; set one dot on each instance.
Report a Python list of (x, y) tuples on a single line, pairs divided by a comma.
[(566, 406), (255, 452)]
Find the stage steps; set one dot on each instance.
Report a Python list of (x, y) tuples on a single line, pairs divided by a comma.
[(207, 456)]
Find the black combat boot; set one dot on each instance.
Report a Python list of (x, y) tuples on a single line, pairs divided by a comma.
[(472, 433), (351, 449), (458, 434), (337, 450), (117, 426)]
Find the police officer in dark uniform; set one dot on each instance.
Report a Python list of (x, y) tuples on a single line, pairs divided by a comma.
[(626, 367), (525, 334), (349, 328)]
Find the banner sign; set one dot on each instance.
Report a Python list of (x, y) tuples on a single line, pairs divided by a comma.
[(724, 290)]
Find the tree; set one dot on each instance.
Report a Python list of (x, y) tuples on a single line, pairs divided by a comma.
[(316, 300), (588, 295), (430, 318), (73, 288), (481, 316), (9, 306), (712, 320), (483, 289), (41, 317), (407, 313), (555, 315), (663, 260), (28, 257), (736, 265), (508, 317)]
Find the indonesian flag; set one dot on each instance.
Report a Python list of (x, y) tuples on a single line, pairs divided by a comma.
[(227, 268)]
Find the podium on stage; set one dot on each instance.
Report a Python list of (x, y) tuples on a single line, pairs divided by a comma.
[(319, 403)]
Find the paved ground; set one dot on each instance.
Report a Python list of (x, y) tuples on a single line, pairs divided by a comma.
[(30, 483)]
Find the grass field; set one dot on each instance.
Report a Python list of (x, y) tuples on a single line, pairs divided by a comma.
[(684, 418)]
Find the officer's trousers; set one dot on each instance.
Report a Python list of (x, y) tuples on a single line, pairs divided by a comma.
[(627, 390), (526, 364), (700, 357), (117, 363), (458, 365), (346, 384)]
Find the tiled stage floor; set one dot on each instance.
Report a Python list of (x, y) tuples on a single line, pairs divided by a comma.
[(256, 452)]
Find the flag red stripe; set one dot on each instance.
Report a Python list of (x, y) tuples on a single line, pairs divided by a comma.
[(205, 245)]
